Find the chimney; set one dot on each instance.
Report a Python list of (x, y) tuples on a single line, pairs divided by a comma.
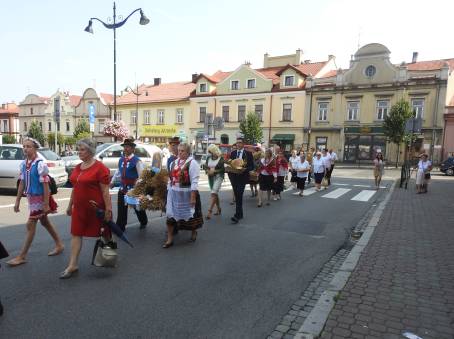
[(157, 81), (414, 58), (298, 56), (194, 77)]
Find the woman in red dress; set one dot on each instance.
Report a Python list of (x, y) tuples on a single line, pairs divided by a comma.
[(90, 181)]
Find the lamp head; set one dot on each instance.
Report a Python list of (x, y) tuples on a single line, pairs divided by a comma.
[(89, 28), (143, 19)]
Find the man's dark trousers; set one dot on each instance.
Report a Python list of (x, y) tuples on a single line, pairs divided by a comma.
[(238, 182), (122, 212)]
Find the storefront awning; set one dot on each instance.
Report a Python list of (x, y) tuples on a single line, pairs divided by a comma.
[(283, 137)]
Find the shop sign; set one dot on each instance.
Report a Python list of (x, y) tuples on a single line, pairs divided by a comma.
[(364, 130), (159, 130)]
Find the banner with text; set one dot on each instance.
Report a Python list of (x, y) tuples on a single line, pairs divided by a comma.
[(159, 131)]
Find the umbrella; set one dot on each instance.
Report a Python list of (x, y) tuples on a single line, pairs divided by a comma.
[(113, 226)]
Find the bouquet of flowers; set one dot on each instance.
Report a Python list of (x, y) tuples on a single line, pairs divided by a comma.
[(116, 129)]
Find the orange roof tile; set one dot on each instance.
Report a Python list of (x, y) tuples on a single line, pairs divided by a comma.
[(329, 74), (174, 91), (107, 98), (430, 65), (312, 68), (9, 107), (74, 100)]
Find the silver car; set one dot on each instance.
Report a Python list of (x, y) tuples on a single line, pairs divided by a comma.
[(110, 154), (11, 157)]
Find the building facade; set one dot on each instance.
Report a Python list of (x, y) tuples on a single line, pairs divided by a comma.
[(276, 93), (448, 133), (99, 104), (346, 108), (9, 120), (158, 112)]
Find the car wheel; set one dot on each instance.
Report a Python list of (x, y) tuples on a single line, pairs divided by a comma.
[(450, 171)]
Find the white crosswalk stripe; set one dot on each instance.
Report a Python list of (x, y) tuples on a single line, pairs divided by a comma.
[(309, 191), (364, 195), (338, 192)]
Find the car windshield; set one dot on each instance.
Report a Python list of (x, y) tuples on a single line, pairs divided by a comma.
[(102, 147), (48, 154)]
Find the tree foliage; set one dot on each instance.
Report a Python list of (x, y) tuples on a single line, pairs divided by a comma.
[(251, 129), (36, 132), (394, 124), (51, 139), (70, 141), (82, 129), (9, 139)]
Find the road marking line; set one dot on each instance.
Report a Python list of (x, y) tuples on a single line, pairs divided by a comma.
[(339, 184), (309, 191), (367, 186), (336, 193), (364, 195)]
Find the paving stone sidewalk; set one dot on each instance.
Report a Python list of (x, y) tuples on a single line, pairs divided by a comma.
[(404, 281)]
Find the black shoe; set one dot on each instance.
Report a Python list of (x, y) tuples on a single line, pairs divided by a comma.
[(142, 226), (1, 308), (175, 230), (234, 220)]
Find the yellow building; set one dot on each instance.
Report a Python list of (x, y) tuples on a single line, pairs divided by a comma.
[(276, 93), (163, 111), (346, 108)]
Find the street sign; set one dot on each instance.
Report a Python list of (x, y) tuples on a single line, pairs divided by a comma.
[(218, 123)]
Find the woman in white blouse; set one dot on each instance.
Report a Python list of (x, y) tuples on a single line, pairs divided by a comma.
[(292, 166), (215, 170), (319, 169), (267, 176), (423, 174), (302, 168)]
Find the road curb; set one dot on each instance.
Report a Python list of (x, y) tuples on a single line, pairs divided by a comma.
[(315, 321)]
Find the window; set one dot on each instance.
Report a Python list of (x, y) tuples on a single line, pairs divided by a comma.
[(203, 88), (251, 83), (321, 143), (179, 115), (287, 112), (113, 152), (118, 116), (101, 125), (11, 153), (133, 117), (224, 139), (202, 114), (5, 126), (225, 113), (418, 107), (353, 110), (161, 117), (370, 71), (68, 126), (146, 117), (322, 111), (382, 109), (142, 152), (49, 126), (58, 126), (259, 111), (31, 110), (25, 127), (241, 112), (41, 125), (289, 80), (234, 85)]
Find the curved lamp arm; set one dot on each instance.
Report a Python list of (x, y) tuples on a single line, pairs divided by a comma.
[(143, 21)]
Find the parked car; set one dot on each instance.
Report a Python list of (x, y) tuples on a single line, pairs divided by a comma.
[(11, 157), (110, 154), (447, 166)]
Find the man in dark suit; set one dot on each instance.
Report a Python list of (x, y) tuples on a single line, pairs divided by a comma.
[(239, 180)]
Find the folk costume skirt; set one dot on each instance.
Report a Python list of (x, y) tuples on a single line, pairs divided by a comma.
[(266, 182), (179, 211)]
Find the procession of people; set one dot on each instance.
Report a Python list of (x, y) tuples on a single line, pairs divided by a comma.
[(171, 188)]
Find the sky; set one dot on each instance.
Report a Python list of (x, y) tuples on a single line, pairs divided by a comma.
[(44, 47)]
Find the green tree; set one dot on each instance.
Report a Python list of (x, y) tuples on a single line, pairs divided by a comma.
[(9, 139), (36, 132), (394, 124), (70, 141), (51, 140), (251, 129), (82, 128)]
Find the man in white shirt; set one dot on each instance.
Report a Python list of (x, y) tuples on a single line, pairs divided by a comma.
[(333, 156)]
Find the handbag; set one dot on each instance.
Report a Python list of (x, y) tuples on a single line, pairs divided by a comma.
[(3, 252), (427, 176), (105, 253), (325, 182)]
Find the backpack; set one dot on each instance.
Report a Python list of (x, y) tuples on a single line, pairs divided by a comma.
[(53, 189)]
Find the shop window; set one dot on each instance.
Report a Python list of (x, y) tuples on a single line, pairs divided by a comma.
[(321, 143)]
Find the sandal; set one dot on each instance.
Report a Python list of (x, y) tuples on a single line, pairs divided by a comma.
[(193, 237), (16, 262), (56, 251), (218, 212), (209, 214)]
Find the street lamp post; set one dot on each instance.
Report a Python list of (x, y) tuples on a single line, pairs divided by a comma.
[(136, 93), (114, 25)]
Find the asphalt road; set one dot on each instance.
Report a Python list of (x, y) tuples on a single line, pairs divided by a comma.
[(236, 281)]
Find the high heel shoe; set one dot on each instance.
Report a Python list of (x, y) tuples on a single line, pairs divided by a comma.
[(218, 212), (66, 274), (167, 245), (209, 214)]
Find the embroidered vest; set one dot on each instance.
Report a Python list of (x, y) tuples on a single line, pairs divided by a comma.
[(128, 170), (180, 174), (32, 185)]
